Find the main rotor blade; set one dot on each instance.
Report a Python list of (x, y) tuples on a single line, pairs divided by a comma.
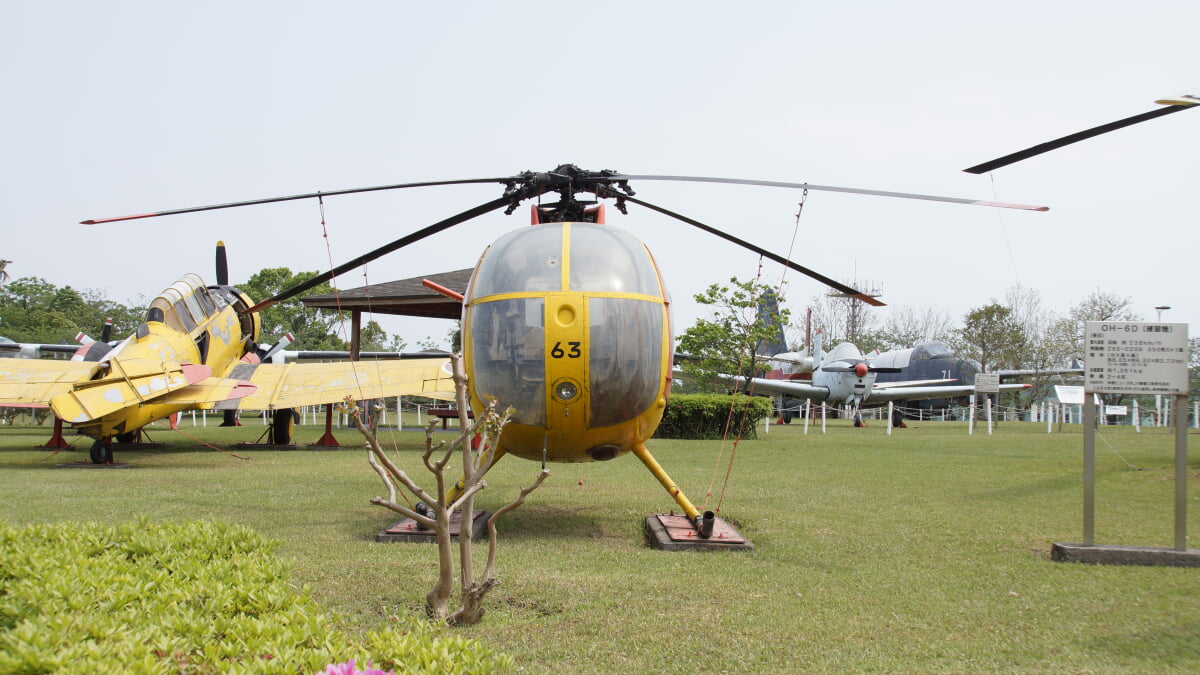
[(310, 195), (1074, 138), (383, 250), (832, 188), (761, 251)]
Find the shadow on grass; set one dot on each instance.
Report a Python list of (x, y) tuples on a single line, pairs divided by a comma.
[(1171, 647)]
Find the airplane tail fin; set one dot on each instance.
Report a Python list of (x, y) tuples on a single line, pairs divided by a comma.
[(768, 314)]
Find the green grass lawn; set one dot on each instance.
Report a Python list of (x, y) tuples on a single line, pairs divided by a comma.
[(927, 550)]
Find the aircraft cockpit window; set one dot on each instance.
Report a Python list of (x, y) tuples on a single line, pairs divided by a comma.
[(182, 316), (525, 260), (193, 306), (626, 358), (605, 259), (159, 308), (509, 356), (932, 350), (206, 301)]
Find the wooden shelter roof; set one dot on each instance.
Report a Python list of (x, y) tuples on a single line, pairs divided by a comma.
[(405, 297)]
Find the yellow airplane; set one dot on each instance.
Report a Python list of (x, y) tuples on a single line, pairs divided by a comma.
[(568, 321), (197, 350)]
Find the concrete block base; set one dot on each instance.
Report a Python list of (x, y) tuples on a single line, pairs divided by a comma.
[(1125, 555)]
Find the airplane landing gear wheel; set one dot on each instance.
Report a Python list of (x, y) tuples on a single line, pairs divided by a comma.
[(101, 452), (281, 427)]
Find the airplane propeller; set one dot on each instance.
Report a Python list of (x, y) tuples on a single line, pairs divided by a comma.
[(222, 265), (567, 180), (859, 369)]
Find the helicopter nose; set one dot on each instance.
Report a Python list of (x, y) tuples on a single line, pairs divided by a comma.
[(860, 369)]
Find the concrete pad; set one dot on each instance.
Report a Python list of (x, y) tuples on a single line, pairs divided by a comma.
[(406, 531), (1125, 555), (670, 532)]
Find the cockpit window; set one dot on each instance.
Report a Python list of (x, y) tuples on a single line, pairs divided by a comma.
[(932, 350), (522, 261), (177, 305), (509, 356), (626, 358), (605, 259)]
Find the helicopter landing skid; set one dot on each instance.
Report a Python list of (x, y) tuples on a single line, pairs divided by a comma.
[(671, 532)]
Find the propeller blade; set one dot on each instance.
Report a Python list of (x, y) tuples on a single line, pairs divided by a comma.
[(761, 251), (310, 195), (832, 188), (222, 265), (1075, 138), (383, 250)]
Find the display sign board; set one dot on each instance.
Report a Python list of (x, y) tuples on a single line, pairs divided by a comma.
[(987, 383), (1135, 357)]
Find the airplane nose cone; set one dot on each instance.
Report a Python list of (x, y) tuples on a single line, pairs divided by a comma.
[(860, 369)]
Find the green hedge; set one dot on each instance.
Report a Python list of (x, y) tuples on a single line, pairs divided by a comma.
[(196, 597), (704, 416)]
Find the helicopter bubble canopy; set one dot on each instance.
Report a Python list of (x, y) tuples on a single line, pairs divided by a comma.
[(568, 303)]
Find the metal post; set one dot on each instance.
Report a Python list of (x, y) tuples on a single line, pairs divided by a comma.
[(971, 417), (1089, 470), (1181, 470)]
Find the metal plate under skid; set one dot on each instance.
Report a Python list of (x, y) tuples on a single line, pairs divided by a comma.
[(407, 531), (670, 532)]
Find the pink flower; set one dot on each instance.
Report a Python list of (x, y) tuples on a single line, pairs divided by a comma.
[(348, 668)]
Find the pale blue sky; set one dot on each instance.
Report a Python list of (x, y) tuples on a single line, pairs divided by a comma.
[(127, 107)]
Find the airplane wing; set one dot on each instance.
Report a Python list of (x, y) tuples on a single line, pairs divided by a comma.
[(793, 388), (293, 385), (1040, 371), (912, 390), (910, 383), (25, 382), (922, 392), (23, 350)]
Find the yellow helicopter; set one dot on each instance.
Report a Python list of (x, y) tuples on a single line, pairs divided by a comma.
[(197, 349), (568, 321)]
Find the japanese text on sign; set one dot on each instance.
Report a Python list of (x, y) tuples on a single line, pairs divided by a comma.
[(1132, 357)]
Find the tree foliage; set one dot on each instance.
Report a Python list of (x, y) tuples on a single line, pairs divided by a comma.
[(313, 329), (726, 341), (35, 310), (992, 336)]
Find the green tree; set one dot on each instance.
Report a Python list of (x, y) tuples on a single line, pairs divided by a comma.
[(373, 338), (313, 329), (992, 336), (35, 310), (725, 342), (1097, 306)]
